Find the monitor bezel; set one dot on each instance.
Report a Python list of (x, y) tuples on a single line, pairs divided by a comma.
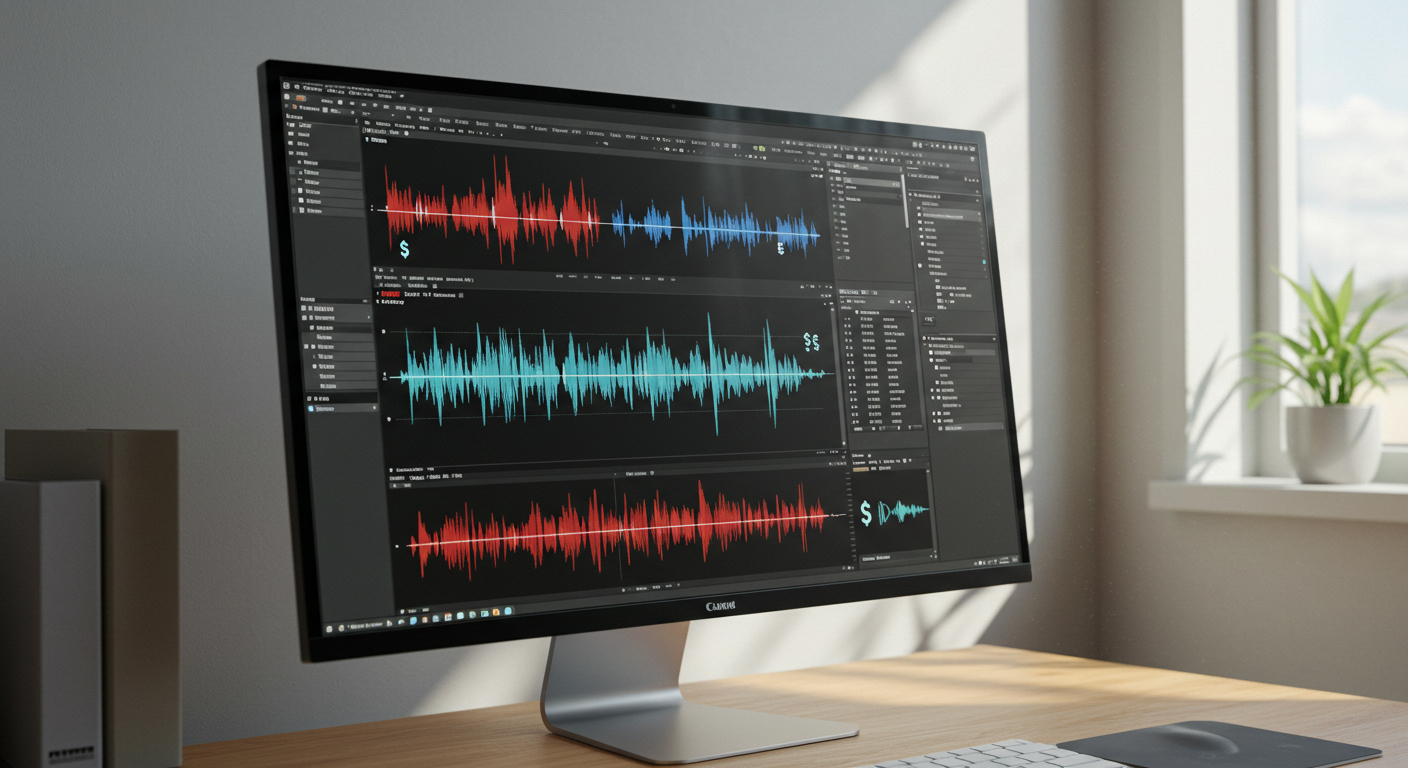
[(314, 646)]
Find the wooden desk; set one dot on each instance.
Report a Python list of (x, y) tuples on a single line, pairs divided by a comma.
[(905, 706)]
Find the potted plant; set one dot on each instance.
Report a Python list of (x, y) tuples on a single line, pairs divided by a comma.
[(1330, 438)]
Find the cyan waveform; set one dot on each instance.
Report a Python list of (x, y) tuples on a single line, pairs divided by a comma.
[(715, 228), (504, 371), (900, 511)]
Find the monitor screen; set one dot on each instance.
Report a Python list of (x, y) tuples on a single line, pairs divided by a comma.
[(557, 361)]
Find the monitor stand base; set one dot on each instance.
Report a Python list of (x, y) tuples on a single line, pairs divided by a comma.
[(619, 690)]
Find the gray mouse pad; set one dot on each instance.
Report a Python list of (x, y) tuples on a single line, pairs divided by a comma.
[(1203, 743)]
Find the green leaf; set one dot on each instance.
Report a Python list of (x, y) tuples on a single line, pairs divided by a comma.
[(1331, 322), (1370, 371), (1381, 338), (1295, 346), (1364, 317), (1346, 293), (1261, 396), (1363, 372), (1317, 345), (1276, 361), (1329, 358), (1305, 296)]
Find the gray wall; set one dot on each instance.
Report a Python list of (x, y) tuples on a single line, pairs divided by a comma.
[(138, 294), (1057, 611), (1312, 603)]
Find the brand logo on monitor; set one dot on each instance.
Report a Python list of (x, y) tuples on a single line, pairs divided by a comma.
[(711, 607)]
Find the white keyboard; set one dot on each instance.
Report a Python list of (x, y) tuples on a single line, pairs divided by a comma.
[(1015, 753)]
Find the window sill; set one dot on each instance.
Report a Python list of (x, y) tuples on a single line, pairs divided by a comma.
[(1284, 497)]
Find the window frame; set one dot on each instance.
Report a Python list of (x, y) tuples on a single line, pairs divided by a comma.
[(1277, 220)]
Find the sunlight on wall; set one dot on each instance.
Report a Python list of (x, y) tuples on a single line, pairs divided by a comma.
[(967, 70), (490, 675)]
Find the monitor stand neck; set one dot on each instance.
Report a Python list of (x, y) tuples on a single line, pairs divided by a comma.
[(619, 690)]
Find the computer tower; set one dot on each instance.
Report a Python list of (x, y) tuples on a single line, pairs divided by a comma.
[(141, 577)]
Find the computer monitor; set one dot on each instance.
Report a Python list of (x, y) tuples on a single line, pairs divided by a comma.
[(561, 363)]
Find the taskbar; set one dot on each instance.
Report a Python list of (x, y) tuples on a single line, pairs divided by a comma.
[(896, 564)]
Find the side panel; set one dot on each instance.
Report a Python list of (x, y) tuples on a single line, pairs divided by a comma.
[(71, 624), (19, 633)]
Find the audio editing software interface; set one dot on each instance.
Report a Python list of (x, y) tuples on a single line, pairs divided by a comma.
[(556, 357)]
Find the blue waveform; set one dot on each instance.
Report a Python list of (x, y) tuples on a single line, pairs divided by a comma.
[(795, 233), (504, 371), (899, 512)]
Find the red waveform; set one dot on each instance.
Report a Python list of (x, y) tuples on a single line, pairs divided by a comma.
[(645, 527), (509, 216)]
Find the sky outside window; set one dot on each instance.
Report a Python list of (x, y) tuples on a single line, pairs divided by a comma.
[(1353, 79)]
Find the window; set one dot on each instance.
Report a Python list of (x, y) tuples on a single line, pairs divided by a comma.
[(1352, 83)]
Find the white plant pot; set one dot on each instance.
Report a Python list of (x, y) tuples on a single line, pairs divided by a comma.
[(1334, 443)]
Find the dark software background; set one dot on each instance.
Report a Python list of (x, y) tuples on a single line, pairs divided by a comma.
[(474, 431), (469, 365), (441, 170), (509, 558), (891, 488)]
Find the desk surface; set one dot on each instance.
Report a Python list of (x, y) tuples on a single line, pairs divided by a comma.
[(906, 706)]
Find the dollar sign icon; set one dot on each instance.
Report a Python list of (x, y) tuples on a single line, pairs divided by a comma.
[(779, 247), (405, 249), (865, 513)]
